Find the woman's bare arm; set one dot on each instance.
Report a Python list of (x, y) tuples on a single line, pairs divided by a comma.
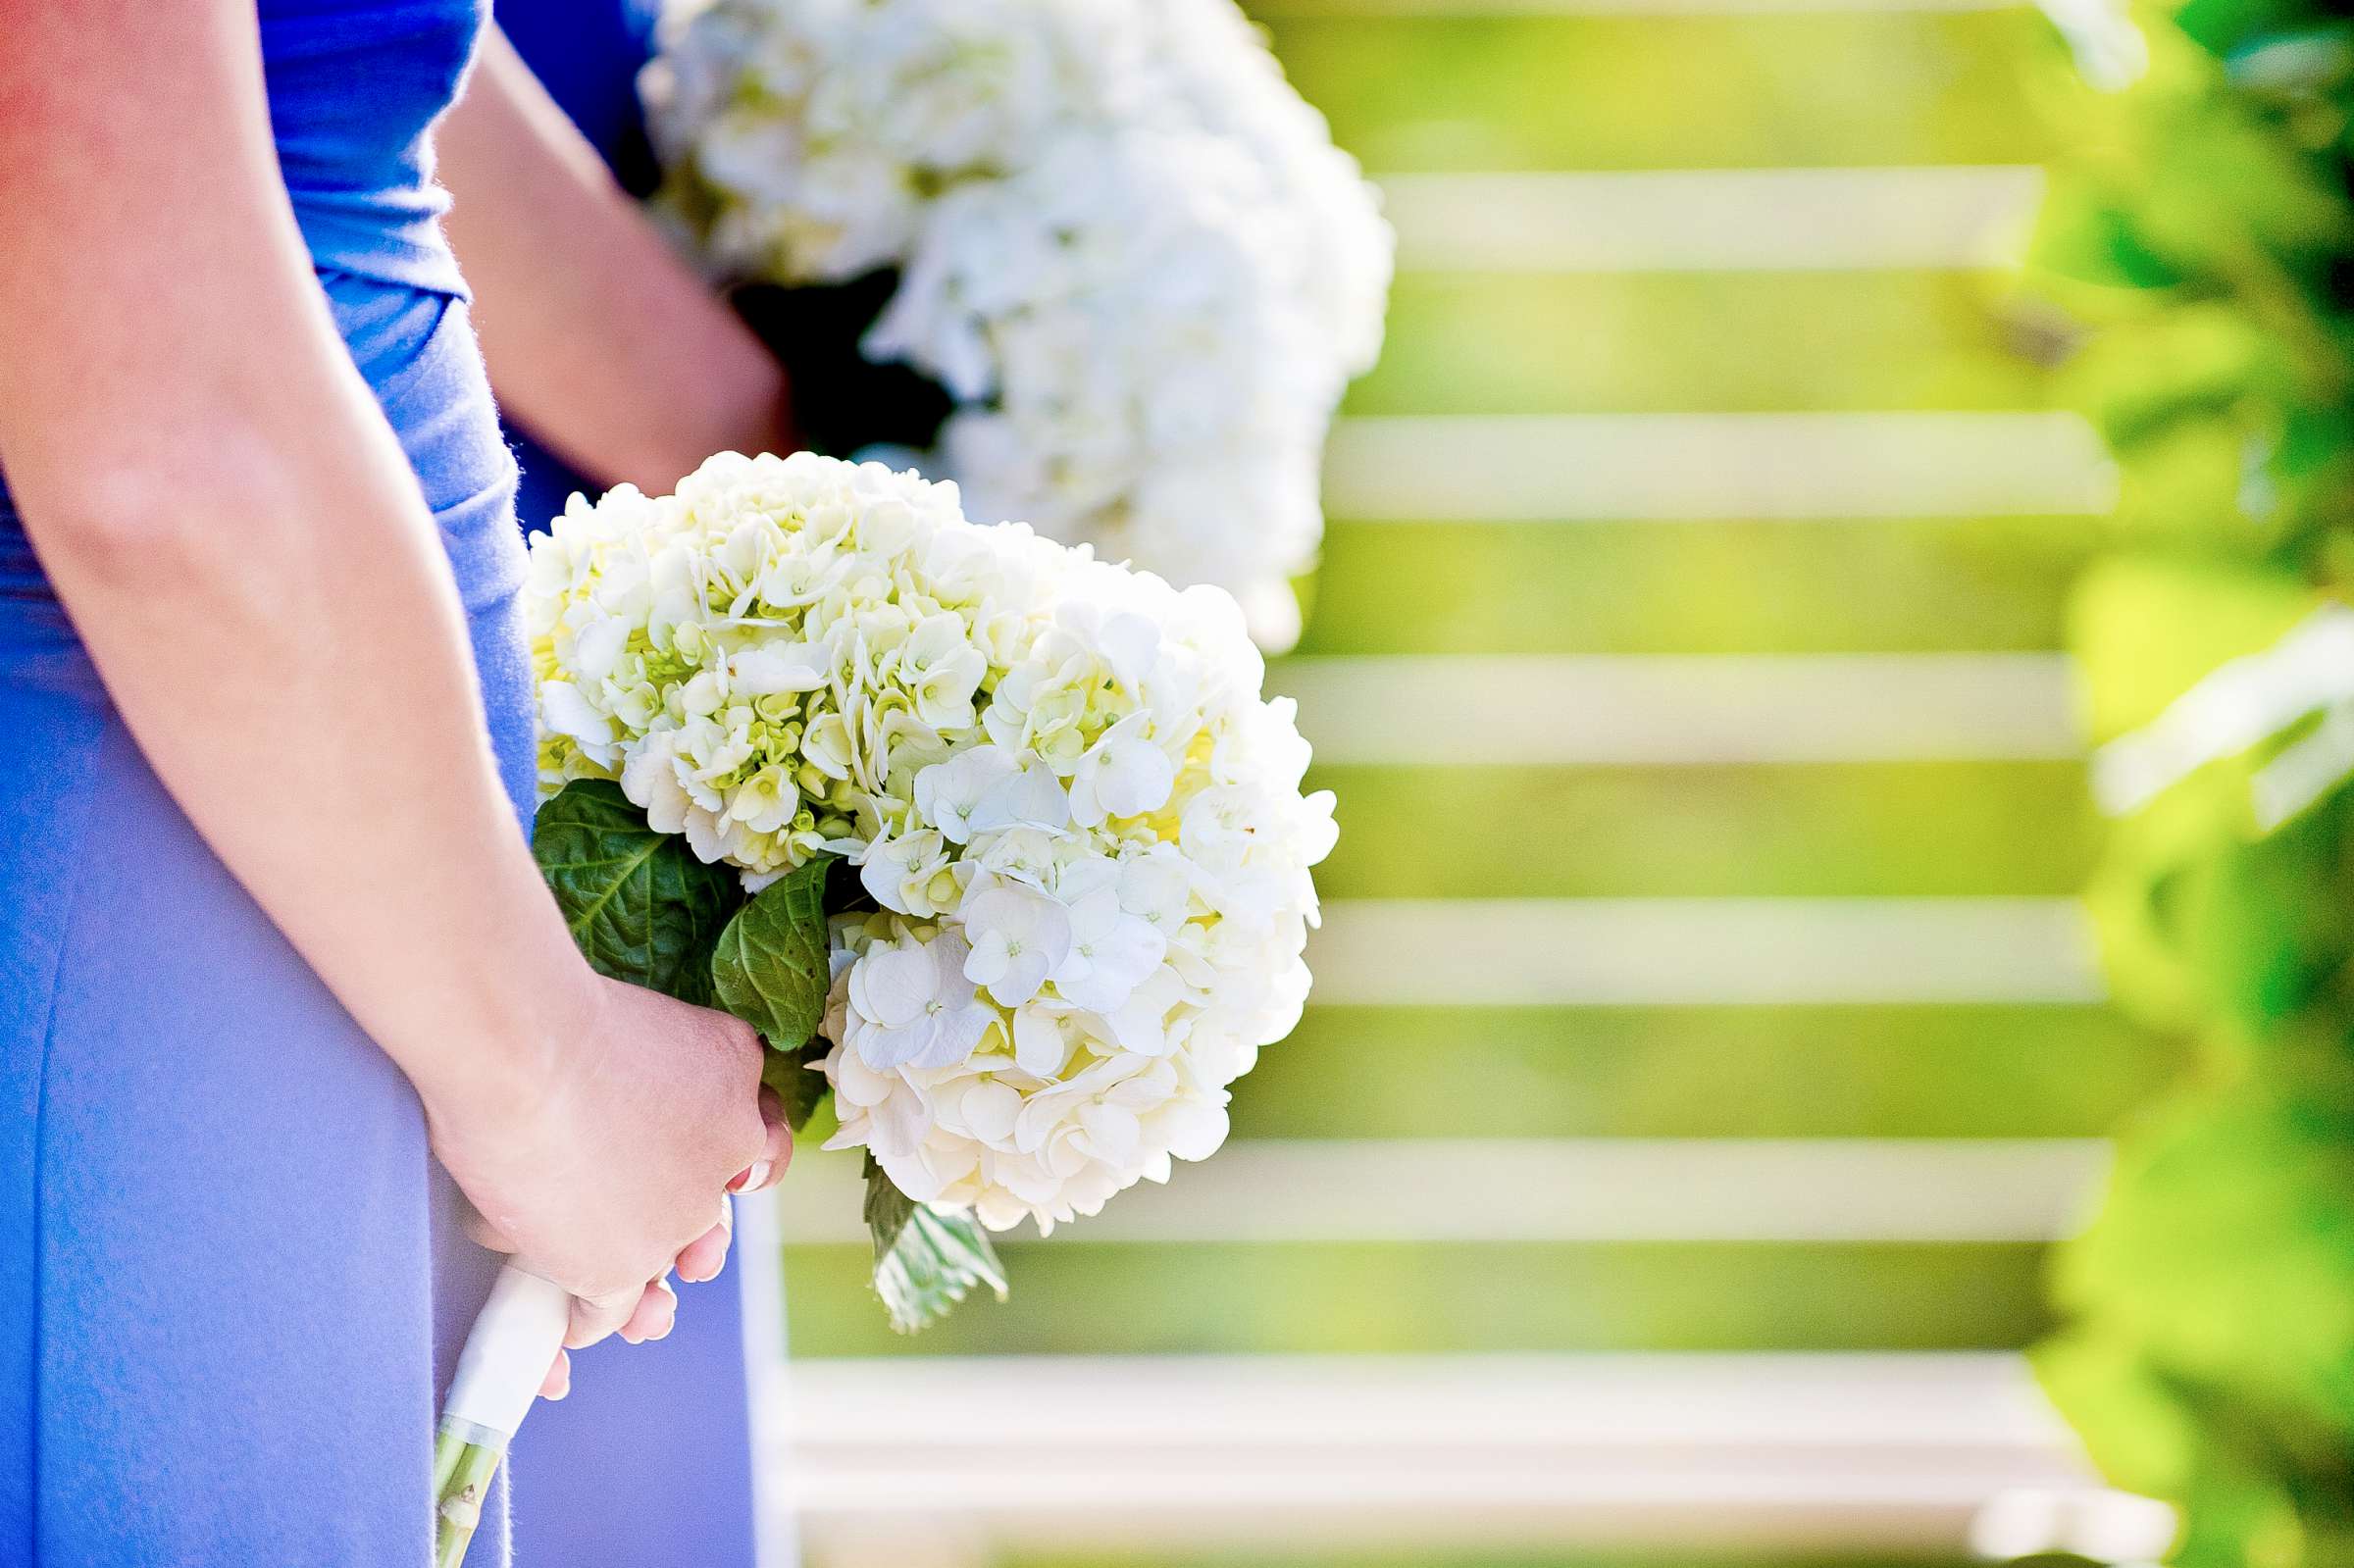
[(242, 547), (600, 340)]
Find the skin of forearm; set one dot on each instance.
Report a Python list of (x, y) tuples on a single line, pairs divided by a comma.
[(600, 340), (241, 546), (296, 674)]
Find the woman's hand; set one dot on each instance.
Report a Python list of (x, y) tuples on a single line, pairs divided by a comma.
[(609, 1166)]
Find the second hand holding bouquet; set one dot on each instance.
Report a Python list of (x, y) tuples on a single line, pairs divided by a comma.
[(995, 844)]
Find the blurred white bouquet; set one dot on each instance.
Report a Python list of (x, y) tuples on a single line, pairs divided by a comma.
[(1122, 244)]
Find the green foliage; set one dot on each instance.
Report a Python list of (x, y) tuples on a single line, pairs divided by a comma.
[(2204, 240), (2212, 1356), (641, 906), (769, 968), (645, 910), (2202, 231), (925, 1262), (794, 1075)]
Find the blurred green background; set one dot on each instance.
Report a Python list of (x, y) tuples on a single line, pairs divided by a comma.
[(1454, 90), (1881, 590)]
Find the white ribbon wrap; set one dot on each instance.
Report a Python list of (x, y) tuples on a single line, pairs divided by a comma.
[(513, 1344)]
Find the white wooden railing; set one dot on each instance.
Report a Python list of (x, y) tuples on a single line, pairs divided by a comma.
[(949, 1463)]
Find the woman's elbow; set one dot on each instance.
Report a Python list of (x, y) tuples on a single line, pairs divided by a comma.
[(141, 519)]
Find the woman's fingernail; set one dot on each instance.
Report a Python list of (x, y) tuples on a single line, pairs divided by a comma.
[(753, 1175)]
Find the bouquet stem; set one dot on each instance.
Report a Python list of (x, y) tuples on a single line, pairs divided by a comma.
[(463, 1469), (508, 1353)]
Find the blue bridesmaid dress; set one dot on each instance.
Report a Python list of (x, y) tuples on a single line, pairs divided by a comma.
[(232, 1279), (650, 1462)]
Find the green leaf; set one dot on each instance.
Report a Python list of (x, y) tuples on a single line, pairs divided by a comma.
[(2198, 232), (795, 1076), (887, 1210), (769, 968), (925, 1262), (641, 906)]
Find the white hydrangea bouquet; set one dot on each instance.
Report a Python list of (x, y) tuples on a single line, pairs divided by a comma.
[(996, 844), (1108, 230)]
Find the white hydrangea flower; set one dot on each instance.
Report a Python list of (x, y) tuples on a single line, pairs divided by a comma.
[(1078, 825), (1125, 245)]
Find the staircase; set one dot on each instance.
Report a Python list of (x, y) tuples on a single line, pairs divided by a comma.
[(1706, 1041)]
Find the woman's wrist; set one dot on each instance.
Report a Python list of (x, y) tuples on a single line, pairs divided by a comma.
[(504, 1041), (771, 426), (749, 410)]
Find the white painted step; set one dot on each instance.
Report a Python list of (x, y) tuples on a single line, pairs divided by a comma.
[(1966, 216), (945, 1461), (1708, 709), (1587, 467), (1451, 1190), (1276, 9), (1695, 952)]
